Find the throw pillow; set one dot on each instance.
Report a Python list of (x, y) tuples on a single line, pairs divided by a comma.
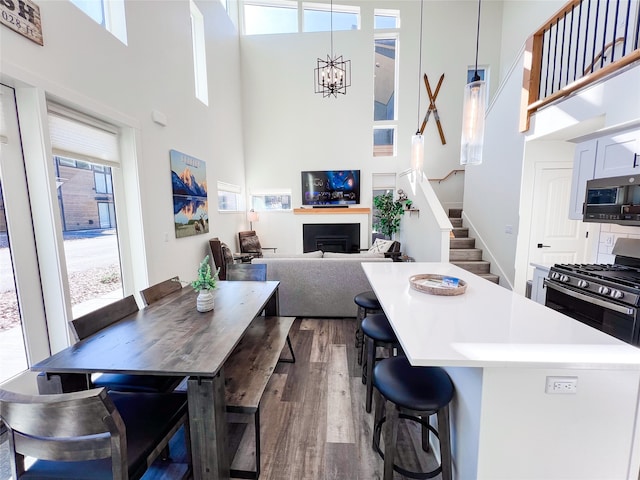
[(380, 246)]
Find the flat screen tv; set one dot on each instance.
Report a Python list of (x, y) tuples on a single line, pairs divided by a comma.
[(331, 187)]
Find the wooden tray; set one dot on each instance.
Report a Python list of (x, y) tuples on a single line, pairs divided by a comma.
[(432, 284)]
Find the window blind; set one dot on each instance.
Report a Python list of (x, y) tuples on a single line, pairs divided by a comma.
[(229, 187), (79, 136)]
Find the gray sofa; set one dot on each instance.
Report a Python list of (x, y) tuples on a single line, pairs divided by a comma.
[(319, 287)]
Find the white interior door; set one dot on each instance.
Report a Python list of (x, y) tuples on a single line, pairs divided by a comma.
[(554, 237)]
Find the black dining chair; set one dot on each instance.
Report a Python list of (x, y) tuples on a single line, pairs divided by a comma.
[(255, 272), (160, 290), (91, 433)]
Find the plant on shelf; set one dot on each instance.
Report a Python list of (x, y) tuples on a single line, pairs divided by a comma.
[(204, 285), (387, 214)]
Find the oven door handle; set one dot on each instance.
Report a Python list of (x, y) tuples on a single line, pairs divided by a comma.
[(587, 298)]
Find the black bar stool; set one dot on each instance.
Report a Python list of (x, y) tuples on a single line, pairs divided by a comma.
[(367, 302), (377, 333), (413, 393)]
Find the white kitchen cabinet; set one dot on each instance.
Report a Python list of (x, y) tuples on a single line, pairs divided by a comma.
[(538, 290), (584, 164), (618, 155)]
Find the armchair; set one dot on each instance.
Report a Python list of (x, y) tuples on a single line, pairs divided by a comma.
[(221, 255), (250, 243)]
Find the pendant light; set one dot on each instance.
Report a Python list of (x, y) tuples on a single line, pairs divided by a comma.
[(333, 75), (417, 141), (473, 114)]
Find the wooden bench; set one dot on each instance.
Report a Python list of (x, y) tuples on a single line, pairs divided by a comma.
[(248, 370)]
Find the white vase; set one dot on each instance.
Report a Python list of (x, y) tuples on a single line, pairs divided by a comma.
[(205, 300)]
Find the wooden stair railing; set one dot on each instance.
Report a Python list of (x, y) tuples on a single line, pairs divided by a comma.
[(539, 47), (452, 172)]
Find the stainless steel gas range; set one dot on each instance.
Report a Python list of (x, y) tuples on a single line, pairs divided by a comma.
[(604, 296)]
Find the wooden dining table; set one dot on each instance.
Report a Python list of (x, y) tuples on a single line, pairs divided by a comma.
[(172, 338)]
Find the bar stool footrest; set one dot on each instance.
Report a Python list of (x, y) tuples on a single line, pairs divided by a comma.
[(407, 473)]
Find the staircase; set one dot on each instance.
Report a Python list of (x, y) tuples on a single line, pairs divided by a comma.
[(462, 251)]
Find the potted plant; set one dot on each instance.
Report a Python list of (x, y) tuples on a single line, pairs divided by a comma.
[(387, 214), (204, 285)]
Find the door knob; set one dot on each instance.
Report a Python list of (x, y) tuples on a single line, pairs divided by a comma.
[(543, 246)]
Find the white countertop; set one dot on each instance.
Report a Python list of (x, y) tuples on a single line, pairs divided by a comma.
[(488, 325), (540, 266)]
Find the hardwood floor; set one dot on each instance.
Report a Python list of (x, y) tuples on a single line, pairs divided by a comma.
[(313, 422)]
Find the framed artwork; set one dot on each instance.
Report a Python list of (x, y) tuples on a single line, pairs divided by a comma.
[(190, 204)]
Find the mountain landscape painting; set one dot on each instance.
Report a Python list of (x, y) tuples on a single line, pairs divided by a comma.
[(189, 184)]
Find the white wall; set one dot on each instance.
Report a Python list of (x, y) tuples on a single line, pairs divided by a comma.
[(425, 231), (84, 66), (520, 18), (492, 189), (288, 128)]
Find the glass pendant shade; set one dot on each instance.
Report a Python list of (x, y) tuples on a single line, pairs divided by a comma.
[(473, 123), (417, 154)]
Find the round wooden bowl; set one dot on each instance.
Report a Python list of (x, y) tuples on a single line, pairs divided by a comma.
[(433, 284)]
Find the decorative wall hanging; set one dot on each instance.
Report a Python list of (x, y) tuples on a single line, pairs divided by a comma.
[(190, 204), (433, 108), (23, 17)]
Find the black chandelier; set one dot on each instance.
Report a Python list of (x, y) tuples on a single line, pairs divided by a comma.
[(333, 75)]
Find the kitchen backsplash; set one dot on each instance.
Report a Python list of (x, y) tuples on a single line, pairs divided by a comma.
[(609, 233)]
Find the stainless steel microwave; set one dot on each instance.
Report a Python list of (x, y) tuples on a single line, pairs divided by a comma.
[(613, 200)]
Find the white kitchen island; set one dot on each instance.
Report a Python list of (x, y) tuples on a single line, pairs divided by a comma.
[(501, 349)]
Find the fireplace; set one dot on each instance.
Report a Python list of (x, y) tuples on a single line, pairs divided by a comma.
[(331, 237)]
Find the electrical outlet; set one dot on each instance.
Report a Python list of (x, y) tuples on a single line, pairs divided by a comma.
[(562, 385), (508, 229)]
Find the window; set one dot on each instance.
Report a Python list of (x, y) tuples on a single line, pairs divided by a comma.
[(199, 54), (93, 8), (86, 154), (386, 19), (229, 199), (483, 73), (385, 79), (108, 13), (12, 348), (262, 17), (384, 101), (382, 184), (282, 16), (102, 178), (271, 201), (384, 141), (317, 17)]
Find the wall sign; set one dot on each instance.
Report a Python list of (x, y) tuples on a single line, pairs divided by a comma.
[(22, 16)]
